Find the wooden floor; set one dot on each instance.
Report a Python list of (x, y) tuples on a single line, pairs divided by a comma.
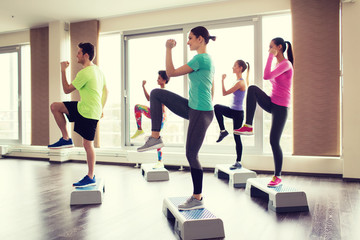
[(35, 204)]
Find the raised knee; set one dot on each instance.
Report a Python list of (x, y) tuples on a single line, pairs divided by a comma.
[(155, 92), (251, 88), (53, 107)]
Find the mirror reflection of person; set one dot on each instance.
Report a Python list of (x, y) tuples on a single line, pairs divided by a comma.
[(140, 110)]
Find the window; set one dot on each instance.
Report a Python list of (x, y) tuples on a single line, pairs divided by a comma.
[(109, 62), (245, 38), (26, 93), (14, 115), (145, 56), (232, 43)]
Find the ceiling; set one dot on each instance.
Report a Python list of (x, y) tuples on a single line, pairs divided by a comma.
[(16, 15)]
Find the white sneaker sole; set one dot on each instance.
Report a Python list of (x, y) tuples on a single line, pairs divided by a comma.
[(271, 186), (88, 185), (160, 145), (244, 133), (61, 147), (192, 208), (158, 167)]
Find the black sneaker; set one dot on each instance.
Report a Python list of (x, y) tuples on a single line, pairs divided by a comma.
[(237, 165), (62, 143), (222, 136), (85, 182)]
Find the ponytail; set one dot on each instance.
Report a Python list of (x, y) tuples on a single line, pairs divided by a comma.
[(212, 38), (245, 66), (289, 52), (279, 41), (202, 31), (247, 74)]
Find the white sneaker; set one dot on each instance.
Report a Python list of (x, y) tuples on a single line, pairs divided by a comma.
[(158, 165)]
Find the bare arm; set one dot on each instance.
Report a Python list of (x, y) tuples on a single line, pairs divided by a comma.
[(104, 97), (68, 88), (145, 92), (239, 85), (212, 90), (170, 69)]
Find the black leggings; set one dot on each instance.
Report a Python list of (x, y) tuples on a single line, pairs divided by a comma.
[(279, 116), (199, 122), (238, 117)]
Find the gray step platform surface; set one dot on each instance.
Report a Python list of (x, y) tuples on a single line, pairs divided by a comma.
[(193, 224), (151, 175), (88, 195), (283, 198), (237, 177)]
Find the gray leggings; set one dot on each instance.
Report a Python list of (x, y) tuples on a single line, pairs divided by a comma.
[(199, 122)]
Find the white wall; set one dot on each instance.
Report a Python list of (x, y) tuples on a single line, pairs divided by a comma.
[(14, 38), (208, 12), (351, 89)]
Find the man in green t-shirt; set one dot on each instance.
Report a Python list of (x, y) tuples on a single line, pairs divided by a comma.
[(90, 82)]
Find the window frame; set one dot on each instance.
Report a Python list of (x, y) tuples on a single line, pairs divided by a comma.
[(127, 114), (255, 21), (16, 49)]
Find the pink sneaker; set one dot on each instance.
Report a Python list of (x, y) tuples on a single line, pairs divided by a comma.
[(275, 182), (244, 130)]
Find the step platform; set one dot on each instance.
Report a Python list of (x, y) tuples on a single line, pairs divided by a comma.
[(152, 175), (237, 177), (281, 199), (88, 195), (193, 224)]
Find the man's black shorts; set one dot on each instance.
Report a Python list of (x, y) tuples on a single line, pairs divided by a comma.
[(86, 127)]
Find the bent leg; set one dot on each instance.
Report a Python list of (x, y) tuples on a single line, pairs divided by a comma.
[(58, 109), (139, 110), (220, 111), (256, 95), (172, 101)]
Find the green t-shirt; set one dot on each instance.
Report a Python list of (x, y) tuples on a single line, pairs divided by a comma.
[(90, 83), (200, 83)]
